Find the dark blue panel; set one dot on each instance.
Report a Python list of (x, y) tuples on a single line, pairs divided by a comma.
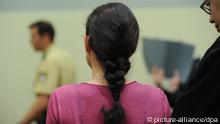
[(168, 55)]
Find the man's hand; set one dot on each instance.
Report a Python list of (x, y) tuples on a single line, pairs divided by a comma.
[(175, 81), (157, 75)]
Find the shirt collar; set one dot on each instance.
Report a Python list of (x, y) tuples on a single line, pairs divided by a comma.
[(46, 51)]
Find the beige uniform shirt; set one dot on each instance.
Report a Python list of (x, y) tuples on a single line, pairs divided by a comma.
[(55, 69)]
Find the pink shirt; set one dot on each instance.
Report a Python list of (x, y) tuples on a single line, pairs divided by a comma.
[(81, 104)]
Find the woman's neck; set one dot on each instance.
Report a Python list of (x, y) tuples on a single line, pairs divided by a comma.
[(98, 75), (99, 79)]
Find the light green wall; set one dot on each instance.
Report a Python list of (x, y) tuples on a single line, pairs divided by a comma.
[(18, 61)]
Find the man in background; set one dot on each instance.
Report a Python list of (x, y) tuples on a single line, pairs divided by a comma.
[(55, 69), (202, 98)]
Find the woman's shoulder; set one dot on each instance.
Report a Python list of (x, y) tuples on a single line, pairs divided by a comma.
[(134, 88), (146, 90), (146, 87), (152, 96), (68, 90), (76, 89), (134, 85)]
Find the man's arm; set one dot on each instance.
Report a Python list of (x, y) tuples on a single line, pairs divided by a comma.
[(45, 84), (37, 108)]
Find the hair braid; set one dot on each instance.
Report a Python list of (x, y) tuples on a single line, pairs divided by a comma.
[(115, 75)]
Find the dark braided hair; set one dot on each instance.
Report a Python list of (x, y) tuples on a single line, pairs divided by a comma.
[(113, 36)]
